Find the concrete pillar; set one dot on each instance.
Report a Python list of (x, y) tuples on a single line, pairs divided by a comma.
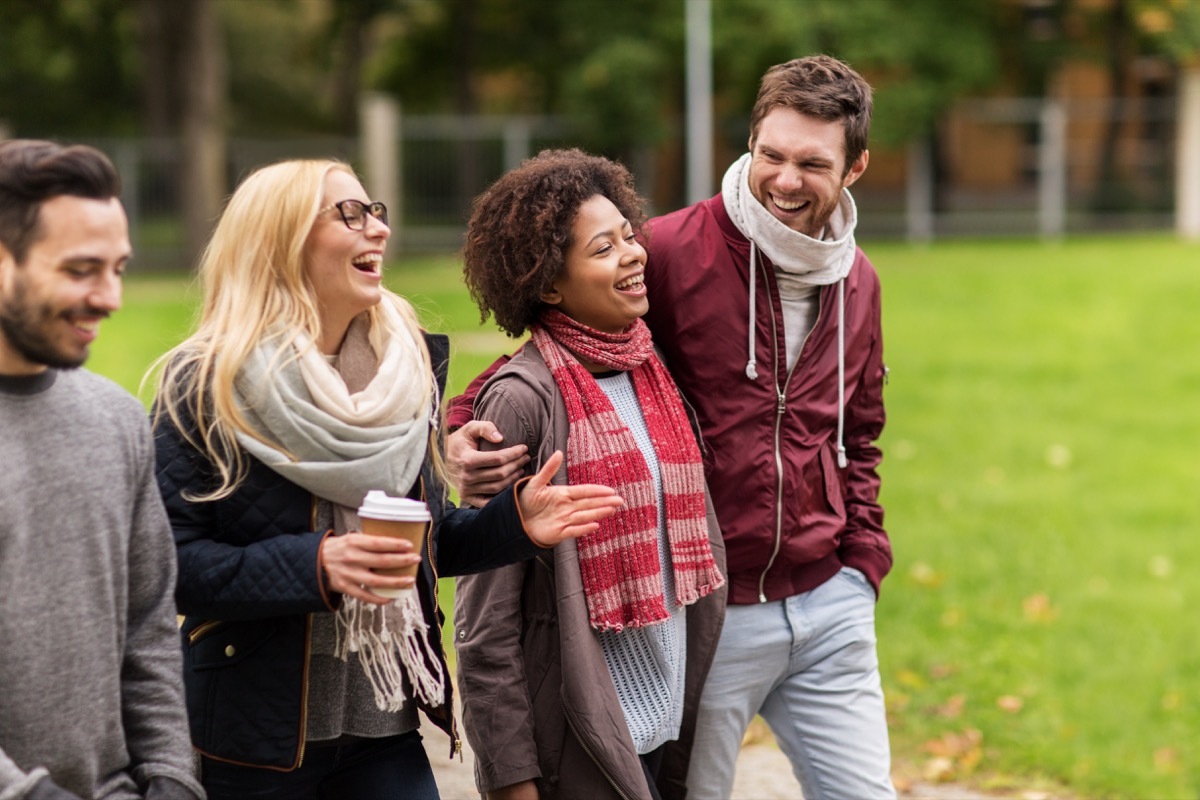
[(1052, 169), (699, 101), (1187, 138), (918, 198), (379, 130)]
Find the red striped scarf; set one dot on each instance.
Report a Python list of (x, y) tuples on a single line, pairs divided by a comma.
[(622, 576)]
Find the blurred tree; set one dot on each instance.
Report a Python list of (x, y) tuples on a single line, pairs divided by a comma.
[(66, 67), (616, 71), (184, 93)]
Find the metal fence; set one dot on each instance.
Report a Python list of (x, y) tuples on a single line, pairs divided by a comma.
[(998, 167)]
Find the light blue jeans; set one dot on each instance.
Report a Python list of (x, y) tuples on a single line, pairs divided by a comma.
[(807, 664)]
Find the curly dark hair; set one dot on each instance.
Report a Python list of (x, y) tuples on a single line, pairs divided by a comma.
[(520, 230)]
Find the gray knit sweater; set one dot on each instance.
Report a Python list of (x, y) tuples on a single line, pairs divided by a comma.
[(91, 694)]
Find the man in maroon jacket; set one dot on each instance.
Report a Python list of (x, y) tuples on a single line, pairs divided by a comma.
[(768, 315)]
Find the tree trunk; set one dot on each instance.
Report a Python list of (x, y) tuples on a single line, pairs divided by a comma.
[(158, 43), (202, 90), (1110, 194), (463, 24)]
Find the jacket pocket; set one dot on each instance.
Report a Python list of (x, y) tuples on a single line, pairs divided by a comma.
[(226, 644), (244, 683)]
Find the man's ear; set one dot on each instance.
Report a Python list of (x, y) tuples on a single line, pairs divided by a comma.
[(857, 168)]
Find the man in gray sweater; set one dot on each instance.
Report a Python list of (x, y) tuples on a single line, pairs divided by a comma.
[(91, 696)]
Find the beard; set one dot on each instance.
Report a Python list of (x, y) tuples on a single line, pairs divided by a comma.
[(24, 327)]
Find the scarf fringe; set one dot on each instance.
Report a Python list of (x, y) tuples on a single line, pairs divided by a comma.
[(392, 643)]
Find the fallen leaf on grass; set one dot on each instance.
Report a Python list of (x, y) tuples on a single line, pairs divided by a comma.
[(1037, 608), (940, 672), (955, 744), (954, 755), (951, 708), (1010, 703), (1166, 759), (938, 770), (924, 575)]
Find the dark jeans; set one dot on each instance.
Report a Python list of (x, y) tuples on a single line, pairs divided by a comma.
[(651, 763), (394, 768)]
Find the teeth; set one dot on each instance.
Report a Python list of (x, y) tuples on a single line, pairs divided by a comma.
[(87, 326), (629, 283), (787, 205), (369, 260)]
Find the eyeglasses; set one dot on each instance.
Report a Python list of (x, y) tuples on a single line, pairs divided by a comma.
[(354, 212)]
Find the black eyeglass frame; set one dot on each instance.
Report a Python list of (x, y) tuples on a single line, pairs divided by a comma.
[(376, 209)]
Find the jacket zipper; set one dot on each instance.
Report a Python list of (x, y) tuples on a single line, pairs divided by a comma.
[(456, 747), (304, 696), (575, 731), (307, 659), (780, 410)]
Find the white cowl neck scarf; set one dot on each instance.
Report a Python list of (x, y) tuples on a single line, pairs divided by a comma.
[(340, 432), (808, 261)]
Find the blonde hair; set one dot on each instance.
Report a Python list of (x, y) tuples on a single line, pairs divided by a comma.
[(255, 287)]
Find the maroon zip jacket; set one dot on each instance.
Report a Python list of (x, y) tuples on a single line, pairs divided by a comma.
[(789, 517)]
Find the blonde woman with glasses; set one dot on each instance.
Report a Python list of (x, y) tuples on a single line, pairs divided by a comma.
[(307, 384)]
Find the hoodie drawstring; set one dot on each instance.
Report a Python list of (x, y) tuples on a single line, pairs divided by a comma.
[(842, 461), (752, 370)]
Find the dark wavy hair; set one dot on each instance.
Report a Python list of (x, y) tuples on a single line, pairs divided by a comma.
[(822, 87), (520, 230), (34, 171)]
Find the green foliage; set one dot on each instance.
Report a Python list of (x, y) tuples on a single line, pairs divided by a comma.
[(67, 67)]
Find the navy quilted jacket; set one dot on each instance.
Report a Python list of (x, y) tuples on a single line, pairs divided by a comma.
[(249, 578)]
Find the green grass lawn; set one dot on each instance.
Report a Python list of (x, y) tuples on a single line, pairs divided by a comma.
[(1040, 481)]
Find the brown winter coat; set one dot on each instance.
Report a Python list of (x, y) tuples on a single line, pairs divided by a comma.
[(538, 700)]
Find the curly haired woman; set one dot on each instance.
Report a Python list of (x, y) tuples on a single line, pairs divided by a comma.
[(581, 669)]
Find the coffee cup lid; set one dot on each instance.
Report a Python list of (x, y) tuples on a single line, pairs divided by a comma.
[(380, 505)]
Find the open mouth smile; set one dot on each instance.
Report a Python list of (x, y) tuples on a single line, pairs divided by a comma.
[(371, 263)]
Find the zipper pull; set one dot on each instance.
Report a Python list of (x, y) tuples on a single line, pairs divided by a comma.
[(458, 749), (781, 406)]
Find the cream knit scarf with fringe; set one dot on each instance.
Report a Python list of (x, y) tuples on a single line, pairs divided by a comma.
[(358, 425)]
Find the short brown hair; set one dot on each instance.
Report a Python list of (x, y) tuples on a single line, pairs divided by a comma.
[(822, 87), (520, 230), (34, 171)]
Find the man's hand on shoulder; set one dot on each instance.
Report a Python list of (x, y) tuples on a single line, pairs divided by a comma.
[(479, 474)]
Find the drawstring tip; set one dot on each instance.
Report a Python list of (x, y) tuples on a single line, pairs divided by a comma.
[(843, 462), (751, 371)]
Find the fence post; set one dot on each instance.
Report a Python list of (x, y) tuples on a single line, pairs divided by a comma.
[(518, 138), (918, 202), (125, 159), (379, 118), (1052, 169), (1187, 180)]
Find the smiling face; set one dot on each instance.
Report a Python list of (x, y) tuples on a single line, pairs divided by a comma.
[(51, 304), (797, 168), (601, 282), (345, 267)]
